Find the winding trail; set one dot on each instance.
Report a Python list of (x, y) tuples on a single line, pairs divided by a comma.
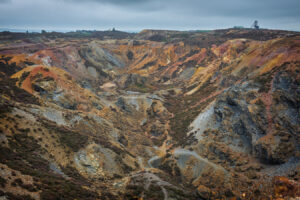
[(151, 178)]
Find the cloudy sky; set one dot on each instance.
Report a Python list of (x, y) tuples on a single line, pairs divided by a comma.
[(135, 15)]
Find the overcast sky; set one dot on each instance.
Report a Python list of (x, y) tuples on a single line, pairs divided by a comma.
[(135, 15)]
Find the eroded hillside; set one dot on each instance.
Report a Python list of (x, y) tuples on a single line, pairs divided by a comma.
[(156, 115)]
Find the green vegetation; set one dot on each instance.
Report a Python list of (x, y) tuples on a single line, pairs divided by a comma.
[(8, 87), (23, 77), (6, 68), (158, 38), (140, 87), (185, 111), (26, 159), (130, 55), (67, 137), (15, 197), (2, 182), (149, 64)]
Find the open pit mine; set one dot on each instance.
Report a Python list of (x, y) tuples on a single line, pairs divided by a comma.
[(168, 115)]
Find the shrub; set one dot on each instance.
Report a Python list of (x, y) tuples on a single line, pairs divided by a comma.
[(2, 182)]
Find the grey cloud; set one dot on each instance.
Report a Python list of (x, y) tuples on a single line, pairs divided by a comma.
[(240, 8), (118, 2), (143, 5), (140, 14), (5, 1)]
